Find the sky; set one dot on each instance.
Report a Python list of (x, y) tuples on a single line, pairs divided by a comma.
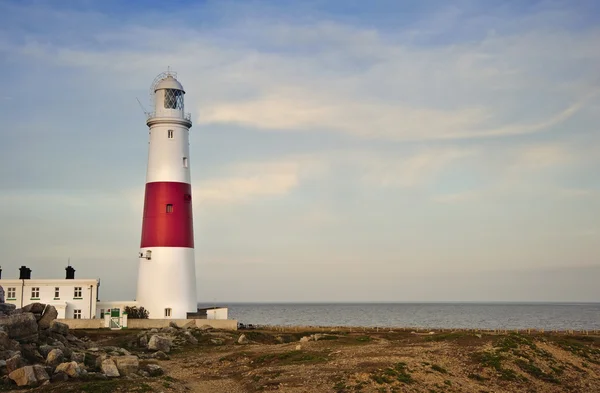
[(341, 150)]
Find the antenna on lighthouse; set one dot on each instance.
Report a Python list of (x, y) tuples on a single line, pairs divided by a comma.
[(142, 106)]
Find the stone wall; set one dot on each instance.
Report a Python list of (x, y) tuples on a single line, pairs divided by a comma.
[(226, 324)]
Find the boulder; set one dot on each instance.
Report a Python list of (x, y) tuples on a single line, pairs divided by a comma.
[(36, 308), (189, 325), (72, 369), (159, 343), (127, 365), (55, 357), (109, 368), (154, 370), (7, 308), (173, 325), (14, 363), (160, 355), (305, 339), (59, 327), (29, 376), (6, 342), (189, 337), (78, 357), (49, 315), (143, 341), (59, 377), (21, 327), (31, 354), (243, 339)]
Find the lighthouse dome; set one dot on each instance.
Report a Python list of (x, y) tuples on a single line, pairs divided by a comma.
[(169, 82)]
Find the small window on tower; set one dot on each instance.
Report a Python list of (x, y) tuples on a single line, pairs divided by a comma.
[(185, 162), (169, 208), (170, 134), (167, 312)]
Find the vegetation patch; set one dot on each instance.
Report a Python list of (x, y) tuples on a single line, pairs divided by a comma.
[(291, 357), (536, 372), (399, 372)]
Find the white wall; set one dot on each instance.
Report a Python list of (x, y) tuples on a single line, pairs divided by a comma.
[(217, 313), (66, 303)]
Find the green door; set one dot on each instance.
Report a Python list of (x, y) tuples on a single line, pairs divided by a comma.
[(115, 312)]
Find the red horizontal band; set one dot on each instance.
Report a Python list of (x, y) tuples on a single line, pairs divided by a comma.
[(168, 219)]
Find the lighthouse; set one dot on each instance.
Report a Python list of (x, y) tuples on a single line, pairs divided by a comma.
[(167, 275)]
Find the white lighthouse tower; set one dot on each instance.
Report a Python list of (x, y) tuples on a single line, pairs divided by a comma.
[(167, 275)]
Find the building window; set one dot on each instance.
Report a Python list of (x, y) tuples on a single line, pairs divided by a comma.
[(167, 312), (12, 293), (76, 314), (35, 292), (170, 134), (101, 313), (185, 162), (57, 293), (77, 293), (169, 208)]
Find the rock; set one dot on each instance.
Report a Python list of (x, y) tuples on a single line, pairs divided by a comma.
[(31, 354), (55, 357), (243, 339), (158, 343), (154, 330), (127, 365), (317, 336), (189, 337), (6, 342), (154, 370), (14, 363), (173, 325), (78, 357), (216, 341), (7, 308), (36, 308), (96, 376), (99, 359), (189, 324), (72, 369), (298, 347), (206, 327), (143, 341), (160, 355), (109, 368), (49, 315), (59, 327), (123, 351), (29, 376), (21, 327), (59, 377), (45, 349), (305, 339)]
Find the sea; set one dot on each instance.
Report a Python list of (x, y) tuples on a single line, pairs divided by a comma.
[(548, 316)]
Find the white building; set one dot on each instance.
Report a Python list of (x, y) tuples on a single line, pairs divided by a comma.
[(73, 298)]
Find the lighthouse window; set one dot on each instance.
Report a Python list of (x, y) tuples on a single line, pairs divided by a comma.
[(169, 208), (170, 134), (167, 312), (185, 162), (173, 99)]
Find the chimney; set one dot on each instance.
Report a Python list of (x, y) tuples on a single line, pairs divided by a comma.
[(24, 273), (70, 273)]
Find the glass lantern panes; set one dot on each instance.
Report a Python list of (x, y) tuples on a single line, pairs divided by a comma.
[(173, 99)]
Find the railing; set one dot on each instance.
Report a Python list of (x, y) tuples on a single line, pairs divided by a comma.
[(186, 116)]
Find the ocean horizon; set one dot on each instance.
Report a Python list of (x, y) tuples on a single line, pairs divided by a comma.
[(434, 315)]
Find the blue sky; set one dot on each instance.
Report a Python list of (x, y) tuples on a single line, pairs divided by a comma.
[(341, 151)]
